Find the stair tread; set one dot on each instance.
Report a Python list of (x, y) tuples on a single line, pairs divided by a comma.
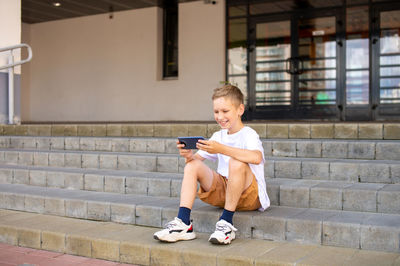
[(148, 154), (126, 173), (174, 138), (179, 176), (123, 242), (154, 201)]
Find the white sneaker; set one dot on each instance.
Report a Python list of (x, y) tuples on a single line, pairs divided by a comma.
[(224, 233), (174, 231)]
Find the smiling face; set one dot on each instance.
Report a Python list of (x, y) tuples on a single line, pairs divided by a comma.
[(228, 114)]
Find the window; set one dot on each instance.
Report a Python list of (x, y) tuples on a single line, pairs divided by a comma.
[(170, 40)]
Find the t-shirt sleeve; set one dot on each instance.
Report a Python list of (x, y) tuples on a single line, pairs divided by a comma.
[(209, 156), (253, 142)]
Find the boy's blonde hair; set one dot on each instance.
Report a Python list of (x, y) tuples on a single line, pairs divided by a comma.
[(231, 92)]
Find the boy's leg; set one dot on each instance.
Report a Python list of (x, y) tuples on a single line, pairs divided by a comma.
[(240, 178), (181, 228), (195, 171)]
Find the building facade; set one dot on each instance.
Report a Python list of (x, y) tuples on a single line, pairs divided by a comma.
[(320, 60)]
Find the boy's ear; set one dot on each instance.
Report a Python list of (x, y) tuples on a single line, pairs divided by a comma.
[(241, 109)]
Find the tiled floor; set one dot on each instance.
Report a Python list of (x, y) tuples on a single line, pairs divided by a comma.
[(18, 256)]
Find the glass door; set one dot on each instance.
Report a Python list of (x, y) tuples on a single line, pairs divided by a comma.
[(294, 67), (270, 51), (386, 47), (317, 80), (357, 87)]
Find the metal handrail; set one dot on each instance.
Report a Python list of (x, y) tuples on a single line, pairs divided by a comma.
[(11, 64), (13, 47)]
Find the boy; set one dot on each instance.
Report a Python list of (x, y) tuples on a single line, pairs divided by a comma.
[(239, 181)]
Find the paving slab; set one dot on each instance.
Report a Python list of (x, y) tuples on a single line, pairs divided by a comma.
[(285, 254), (134, 244)]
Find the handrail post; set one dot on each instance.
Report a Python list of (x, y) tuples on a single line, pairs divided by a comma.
[(11, 89), (10, 66)]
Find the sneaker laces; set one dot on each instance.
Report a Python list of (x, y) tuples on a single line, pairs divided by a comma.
[(170, 224), (221, 228), (224, 226)]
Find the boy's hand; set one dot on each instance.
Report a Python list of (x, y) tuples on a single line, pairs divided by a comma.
[(185, 153), (210, 146)]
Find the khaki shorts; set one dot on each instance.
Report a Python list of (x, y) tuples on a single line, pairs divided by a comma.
[(248, 201)]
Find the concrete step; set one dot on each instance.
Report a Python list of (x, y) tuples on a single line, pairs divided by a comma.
[(311, 148), (367, 231), (335, 195), (134, 244), (349, 170), (114, 181), (290, 130)]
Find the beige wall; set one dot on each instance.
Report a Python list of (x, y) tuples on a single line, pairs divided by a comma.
[(26, 70), (10, 29), (96, 69)]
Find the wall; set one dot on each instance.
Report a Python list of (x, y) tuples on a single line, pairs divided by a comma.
[(26, 70), (96, 69), (10, 34)]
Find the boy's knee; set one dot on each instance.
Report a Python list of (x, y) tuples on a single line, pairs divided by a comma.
[(192, 165), (235, 165)]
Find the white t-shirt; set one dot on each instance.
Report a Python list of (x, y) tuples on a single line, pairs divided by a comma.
[(247, 139)]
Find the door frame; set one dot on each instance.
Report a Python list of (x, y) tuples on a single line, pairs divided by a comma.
[(295, 111), (379, 112)]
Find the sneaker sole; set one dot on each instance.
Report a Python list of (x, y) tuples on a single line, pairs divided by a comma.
[(173, 241), (216, 242)]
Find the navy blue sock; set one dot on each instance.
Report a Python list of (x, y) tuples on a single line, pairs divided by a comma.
[(184, 214), (227, 216)]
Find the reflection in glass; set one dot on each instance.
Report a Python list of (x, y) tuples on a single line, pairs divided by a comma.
[(237, 11), (273, 7), (395, 93), (317, 85), (237, 52), (318, 74), (389, 60), (317, 97), (273, 53), (273, 98), (317, 37), (390, 82), (241, 83), (275, 86), (272, 49), (237, 60), (390, 25), (390, 96), (357, 87), (389, 57), (390, 71), (317, 50), (319, 63), (390, 41), (274, 76), (270, 66), (317, 43), (357, 55), (237, 32)]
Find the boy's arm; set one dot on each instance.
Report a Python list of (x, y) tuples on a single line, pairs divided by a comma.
[(188, 154), (243, 155), (194, 157)]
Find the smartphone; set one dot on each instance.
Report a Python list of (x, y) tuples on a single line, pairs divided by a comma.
[(189, 142)]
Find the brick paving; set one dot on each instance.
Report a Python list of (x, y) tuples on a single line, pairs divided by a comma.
[(19, 256)]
